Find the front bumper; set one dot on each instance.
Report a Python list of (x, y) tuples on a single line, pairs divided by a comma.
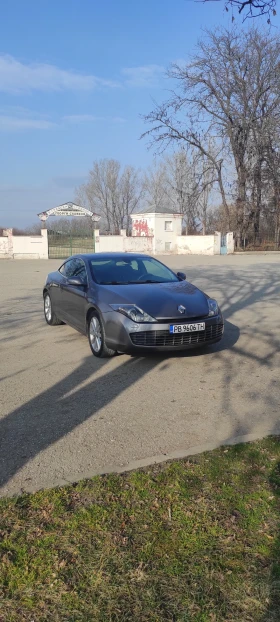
[(124, 335)]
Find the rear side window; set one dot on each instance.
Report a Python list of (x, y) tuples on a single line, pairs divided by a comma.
[(74, 267), (62, 269), (66, 269), (78, 268)]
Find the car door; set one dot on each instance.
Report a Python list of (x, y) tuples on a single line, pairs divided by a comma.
[(55, 281), (73, 297)]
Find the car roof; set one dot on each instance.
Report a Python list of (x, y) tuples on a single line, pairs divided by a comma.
[(101, 255)]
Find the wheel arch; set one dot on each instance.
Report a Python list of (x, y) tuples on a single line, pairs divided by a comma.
[(91, 309)]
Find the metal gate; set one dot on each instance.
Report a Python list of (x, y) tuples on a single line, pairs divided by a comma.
[(63, 245), (224, 245)]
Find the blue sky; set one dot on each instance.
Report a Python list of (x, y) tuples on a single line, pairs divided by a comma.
[(74, 78)]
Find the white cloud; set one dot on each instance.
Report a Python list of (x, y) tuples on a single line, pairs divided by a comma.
[(81, 118), (17, 77), (90, 118), (147, 75), (15, 118), (13, 124)]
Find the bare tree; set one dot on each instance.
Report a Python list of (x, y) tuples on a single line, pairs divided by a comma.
[(270, 206), (252, 8), (207, 178), (156, 185), (181, 181), (34, 229), (131, 193), (223, 92), (185, 185), (111, 193), (274, 204)]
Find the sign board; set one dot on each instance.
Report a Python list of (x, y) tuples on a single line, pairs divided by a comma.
[(68, 209)]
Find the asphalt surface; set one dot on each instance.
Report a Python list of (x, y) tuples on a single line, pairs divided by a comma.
[(65, 415)]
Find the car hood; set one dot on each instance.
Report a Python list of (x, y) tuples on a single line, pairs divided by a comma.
[(160, 300)]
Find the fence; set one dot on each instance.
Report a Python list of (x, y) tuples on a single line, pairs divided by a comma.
[(63, 245), (268, 241)]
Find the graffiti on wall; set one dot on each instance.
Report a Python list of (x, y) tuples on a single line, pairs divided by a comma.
[(141, 227)]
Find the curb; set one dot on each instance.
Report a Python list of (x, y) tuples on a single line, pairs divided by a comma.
[(256, 253), (178, 454)]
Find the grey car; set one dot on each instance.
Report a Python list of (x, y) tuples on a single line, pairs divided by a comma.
[(130, 302)]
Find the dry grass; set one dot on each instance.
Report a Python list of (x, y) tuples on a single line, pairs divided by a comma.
[(194, 540)]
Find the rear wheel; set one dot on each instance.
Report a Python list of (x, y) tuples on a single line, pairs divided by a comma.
[(96, 337), (50, 317)]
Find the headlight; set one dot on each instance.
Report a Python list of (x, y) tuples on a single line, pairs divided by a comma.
[(213, 307), (133, 312)]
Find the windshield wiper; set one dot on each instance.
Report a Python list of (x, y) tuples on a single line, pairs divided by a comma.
[(114, 283), (128, 282), (143, 282)]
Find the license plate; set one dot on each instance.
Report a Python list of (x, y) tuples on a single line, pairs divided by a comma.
[(186, 328)]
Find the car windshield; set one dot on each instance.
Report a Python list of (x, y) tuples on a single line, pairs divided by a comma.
[(125, 271)]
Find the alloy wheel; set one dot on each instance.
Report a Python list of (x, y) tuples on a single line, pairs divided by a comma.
[(48, 308), (95, 334)]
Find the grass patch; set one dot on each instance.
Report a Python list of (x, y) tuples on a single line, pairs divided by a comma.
[(194, 540)]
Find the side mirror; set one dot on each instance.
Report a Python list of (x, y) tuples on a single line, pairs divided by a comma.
[(76, 281), (181, 276)]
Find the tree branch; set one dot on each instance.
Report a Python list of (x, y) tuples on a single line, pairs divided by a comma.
[(251, 8)]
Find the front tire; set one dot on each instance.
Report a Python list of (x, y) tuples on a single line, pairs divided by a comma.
[(96, 337), (50, 316)]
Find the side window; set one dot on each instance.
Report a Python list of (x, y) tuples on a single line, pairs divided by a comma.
[(68, 268), (62, 269), (76, 268)]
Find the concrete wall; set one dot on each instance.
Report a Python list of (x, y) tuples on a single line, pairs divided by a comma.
[(217, 243), (197, 245), (109, 244), (182, 244), (230, 243), (139, 244), (164, 242), (25, 246), (4, 247), (122, 243)]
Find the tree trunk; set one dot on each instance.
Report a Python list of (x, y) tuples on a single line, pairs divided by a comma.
[(223, 194), (257, 211), (277, 218), (240, 203)]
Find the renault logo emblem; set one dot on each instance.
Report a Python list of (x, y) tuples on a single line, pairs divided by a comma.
[(181, 309)]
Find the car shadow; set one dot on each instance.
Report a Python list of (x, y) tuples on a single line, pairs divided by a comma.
[(54, 413)]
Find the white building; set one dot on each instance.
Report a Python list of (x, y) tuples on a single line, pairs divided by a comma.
[(159, 223)]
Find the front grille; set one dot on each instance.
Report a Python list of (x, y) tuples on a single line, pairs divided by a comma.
[(161, 338), (181, 319)]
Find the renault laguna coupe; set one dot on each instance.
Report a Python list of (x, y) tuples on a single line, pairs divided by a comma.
[(126, 302)]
